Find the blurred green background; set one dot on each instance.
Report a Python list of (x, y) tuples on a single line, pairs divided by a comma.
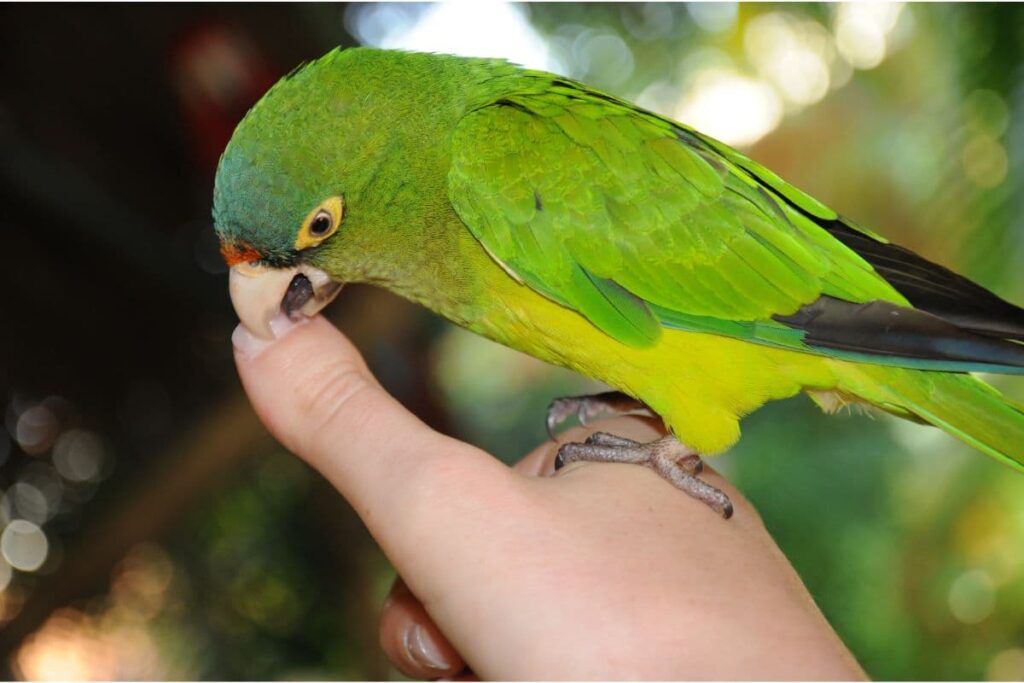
[(150, 527)]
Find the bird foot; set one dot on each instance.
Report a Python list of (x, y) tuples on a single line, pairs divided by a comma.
[(666, 456), (586, 408)]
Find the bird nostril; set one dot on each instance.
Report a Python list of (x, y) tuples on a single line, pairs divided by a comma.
[(300, 290)]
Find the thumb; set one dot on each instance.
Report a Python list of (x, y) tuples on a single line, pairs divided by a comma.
[(314, 392)]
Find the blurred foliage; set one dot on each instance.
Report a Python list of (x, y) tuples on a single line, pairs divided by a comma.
[(908, 119)]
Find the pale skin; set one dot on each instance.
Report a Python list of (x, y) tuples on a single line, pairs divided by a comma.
[(603, 571)]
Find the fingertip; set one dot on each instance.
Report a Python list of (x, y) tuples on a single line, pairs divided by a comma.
[(412, 641), (251, 348), (248, 344)]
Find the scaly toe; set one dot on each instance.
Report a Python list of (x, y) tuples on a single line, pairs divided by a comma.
[(606, 439), (674, 462)]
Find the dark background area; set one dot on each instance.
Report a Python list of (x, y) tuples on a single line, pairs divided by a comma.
[(152, 529), (117, 324)]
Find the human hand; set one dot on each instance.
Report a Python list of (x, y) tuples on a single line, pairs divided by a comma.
[(603, 571)]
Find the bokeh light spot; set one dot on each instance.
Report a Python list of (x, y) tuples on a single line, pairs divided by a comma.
[(972, 596), (38, 500), (470, 29), (985, 162), (36, 429), (649, 20), (28, 502), (24, 545), (730, 107), (142, 579), (78, 455), (1007, 665), (75, 646), (6, 574), (713, 17), (659, 97), (793, 53), (987, 112), (373, 23), (862, 29), (603, 55)]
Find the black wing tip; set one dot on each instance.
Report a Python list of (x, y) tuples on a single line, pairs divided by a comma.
[(882, 328), (926, 285), (934, 288)]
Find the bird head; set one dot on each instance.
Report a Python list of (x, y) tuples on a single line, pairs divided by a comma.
[(327, 170)]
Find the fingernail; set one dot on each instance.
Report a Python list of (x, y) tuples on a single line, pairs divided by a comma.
[(423, 649), (249, 345)]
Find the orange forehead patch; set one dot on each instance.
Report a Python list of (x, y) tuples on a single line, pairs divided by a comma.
[(238, 253)]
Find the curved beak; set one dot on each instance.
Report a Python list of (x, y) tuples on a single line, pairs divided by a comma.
[(260, 293)]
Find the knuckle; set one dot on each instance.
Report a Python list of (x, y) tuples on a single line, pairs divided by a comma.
[(472, 492), (438, 476), (329, 392)]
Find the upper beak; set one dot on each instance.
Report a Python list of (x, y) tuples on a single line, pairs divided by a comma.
[(260, 293)]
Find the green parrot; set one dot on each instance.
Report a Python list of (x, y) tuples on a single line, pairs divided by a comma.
[(593, 234)]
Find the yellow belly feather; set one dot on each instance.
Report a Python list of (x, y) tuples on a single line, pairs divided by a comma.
[(701, 384)]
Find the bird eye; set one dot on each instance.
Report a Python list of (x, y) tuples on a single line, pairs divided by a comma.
[(321, 224)]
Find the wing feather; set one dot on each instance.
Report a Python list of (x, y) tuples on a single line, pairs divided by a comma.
[(558, 184), (639, 223)]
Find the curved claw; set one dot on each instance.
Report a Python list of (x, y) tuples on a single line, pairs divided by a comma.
[(559, 410), (559, 460), (692, 464), (587, 408)]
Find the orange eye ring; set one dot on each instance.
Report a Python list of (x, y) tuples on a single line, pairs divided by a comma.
[(321, 223)]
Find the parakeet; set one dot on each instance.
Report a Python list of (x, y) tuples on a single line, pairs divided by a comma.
[(584, 230)]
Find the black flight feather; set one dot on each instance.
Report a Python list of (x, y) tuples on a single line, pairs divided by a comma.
[(953, 320), (928, 286), (887, 329), (933, 288)]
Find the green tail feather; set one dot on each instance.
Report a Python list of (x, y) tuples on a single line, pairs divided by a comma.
[(961, 405)]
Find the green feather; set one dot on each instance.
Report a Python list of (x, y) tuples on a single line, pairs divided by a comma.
[(645, 204)]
